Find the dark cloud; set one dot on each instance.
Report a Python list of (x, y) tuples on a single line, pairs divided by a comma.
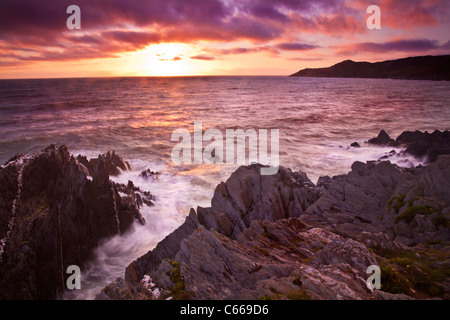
[(399, 45), (295, 46), (446, 45)]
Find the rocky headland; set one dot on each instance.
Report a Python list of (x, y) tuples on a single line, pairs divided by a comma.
[(414, 68), (282, 237), (54, 209), (264, 237)]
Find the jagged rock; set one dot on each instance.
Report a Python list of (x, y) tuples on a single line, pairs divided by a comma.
[(418, 144), (265, 258), (380, 240), (148, 174), (324, 182), (354, 204), (355, 145), (109, 163), (365, 201), (319, 247), (134, 194), (248, 196), (382, 139), (52, 216), (348, 251)]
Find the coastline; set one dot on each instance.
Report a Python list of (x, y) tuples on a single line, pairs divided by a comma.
[(288, 227)]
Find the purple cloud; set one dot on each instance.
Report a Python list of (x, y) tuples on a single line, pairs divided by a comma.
[(295, 46), (399, 45), (115, 26)]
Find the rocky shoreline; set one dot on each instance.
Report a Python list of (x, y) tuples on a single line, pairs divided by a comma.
[(282, 237), (264, 237), (54, 209)]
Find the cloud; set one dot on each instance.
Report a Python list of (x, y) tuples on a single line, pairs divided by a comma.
[(116, 26), (304, 59), (295, 46), (446, 45), (410, 45), (177, 58), (203, 57), (404, 14)]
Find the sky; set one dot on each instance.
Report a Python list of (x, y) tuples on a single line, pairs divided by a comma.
[(211, 37)]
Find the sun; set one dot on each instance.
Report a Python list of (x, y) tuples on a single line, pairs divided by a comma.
[(167, 59), (164, 60)]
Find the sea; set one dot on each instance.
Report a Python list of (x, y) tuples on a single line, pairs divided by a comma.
[(317, 120)]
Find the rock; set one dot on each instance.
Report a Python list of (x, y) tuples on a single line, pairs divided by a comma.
[(419, 144), (52, 216), (267, 258), (281, 237), (148, 174), (363, 201), (348, 251), (355, 145), (110, 163), (248, 196), (381, 241), (381, 295), (382, 139), (355, 203), (324, 182)]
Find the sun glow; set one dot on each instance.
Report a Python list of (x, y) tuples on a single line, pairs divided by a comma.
[(167, 59)]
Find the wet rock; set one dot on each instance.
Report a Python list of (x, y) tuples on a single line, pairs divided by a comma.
[(52, 216), (355, 145), (146, 174), (109, 163), (419, 144), (382, 139), (282, 237), (267, 258)]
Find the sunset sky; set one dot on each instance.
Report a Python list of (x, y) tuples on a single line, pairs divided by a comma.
[(211, 37)]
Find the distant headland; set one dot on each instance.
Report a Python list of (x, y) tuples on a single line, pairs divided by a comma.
[(414, 68)]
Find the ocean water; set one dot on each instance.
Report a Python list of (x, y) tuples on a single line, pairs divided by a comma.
[(317, 118)]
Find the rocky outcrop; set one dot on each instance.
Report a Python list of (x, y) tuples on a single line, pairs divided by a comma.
[(54, 209), (405, 204), (382, 139), (248, 196), (419, 144), (278, 237)]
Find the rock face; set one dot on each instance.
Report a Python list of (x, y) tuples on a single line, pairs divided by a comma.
[(376, 196), (248, 196), (278, 237), (418, 143), (54, 209)]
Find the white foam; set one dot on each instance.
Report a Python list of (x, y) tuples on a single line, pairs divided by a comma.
[(174, 198)]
